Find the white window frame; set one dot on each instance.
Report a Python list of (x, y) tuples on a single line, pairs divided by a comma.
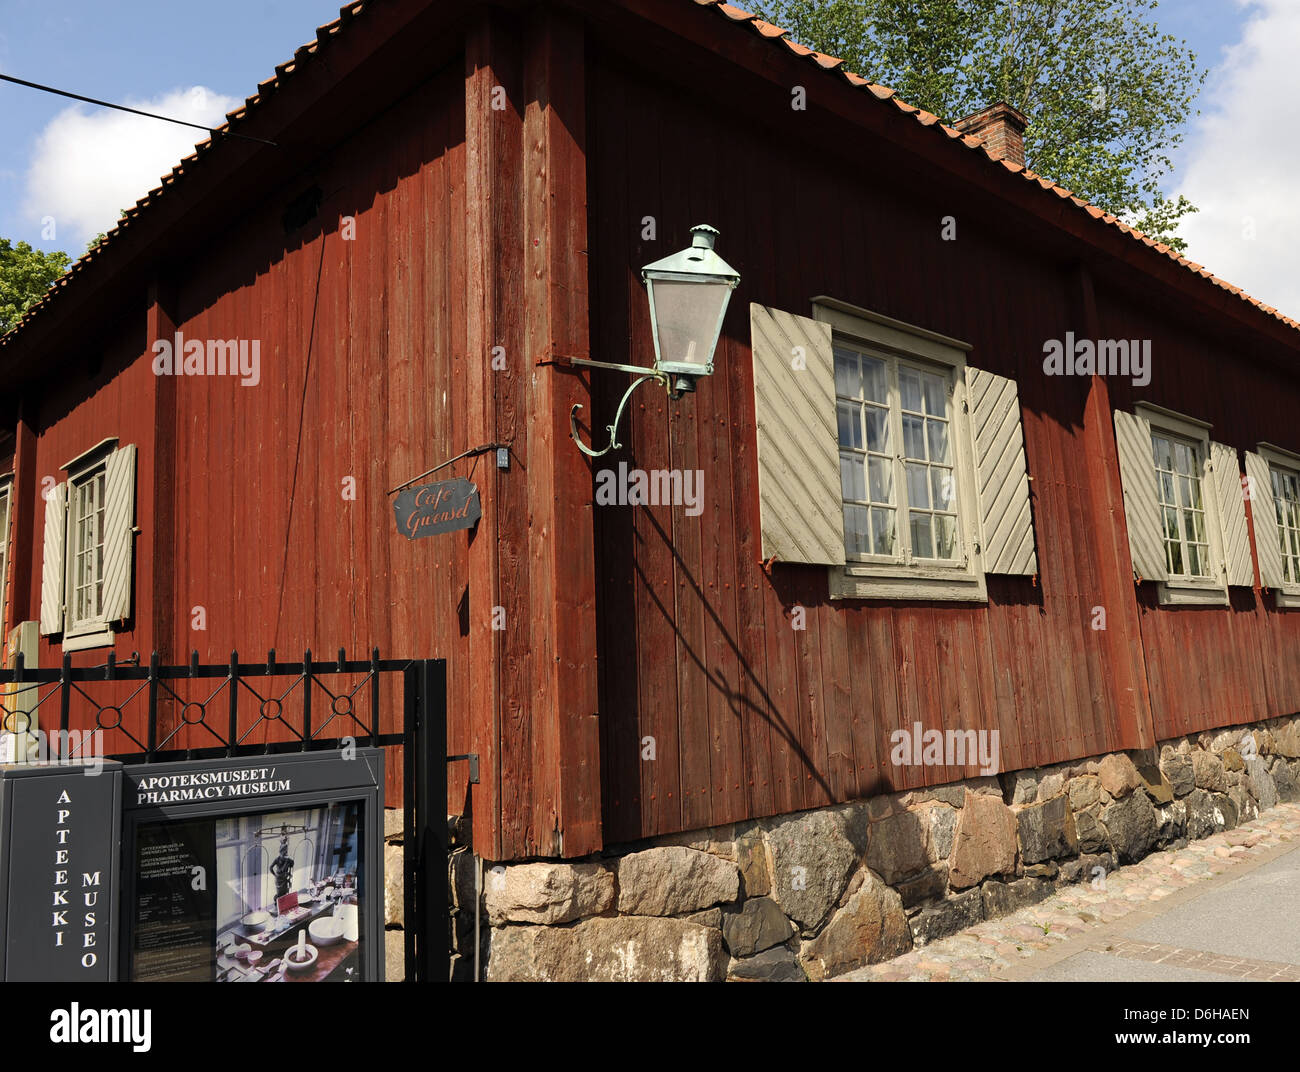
[(1288, 596), (95, 631), (1211, 591), (6, 514), (899, 577)]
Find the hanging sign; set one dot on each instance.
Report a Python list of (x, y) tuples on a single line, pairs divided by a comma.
[(433, 508)]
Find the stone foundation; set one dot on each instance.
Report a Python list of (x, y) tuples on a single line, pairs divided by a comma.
[(818, 893)]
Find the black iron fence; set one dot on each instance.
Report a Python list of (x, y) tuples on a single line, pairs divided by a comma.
[(139, 713)]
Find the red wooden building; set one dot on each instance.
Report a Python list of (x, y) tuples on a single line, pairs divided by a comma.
[(908, 514)]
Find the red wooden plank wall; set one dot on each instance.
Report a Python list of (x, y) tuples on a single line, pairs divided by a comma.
[(1208, 667), (362, 342), (750, 716)]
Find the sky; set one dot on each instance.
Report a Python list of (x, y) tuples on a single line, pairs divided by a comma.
[(67, 168)]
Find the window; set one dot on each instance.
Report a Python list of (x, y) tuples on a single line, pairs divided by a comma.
[(896, 458), (885, 457), (4, 549), (1273, 486), (1286, 505), (86, 551), (1183, 507), (1179, 467), (89, 538)]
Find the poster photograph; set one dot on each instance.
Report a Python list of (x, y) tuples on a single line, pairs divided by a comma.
[(272, 896)]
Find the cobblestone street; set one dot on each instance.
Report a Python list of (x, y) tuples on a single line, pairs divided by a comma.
[(1204, 912)]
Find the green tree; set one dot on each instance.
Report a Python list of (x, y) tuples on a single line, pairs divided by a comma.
[(1107, 94), (25, 276)]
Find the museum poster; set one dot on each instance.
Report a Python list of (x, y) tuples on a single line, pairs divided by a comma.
[(268, 896)]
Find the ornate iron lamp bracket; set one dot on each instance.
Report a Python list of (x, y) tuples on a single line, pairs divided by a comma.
[(643, 374)]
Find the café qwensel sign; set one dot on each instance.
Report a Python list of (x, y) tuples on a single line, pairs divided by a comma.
[(259, 869), (433, 508)]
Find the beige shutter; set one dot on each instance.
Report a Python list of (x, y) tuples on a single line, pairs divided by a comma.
[(1268, 543), (1001, 475), (801, 506), (1232, 515), (52, 561), (1141, 507), (119, 538)]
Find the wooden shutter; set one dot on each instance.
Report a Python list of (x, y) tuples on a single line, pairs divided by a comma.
[(1232, 514), (1268, 542), (119, 537), (52, 561), (1141, 507), (801, 506), (1001, 474)]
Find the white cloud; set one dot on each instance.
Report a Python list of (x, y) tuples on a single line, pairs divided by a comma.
[(89, 163), (1243, 160)]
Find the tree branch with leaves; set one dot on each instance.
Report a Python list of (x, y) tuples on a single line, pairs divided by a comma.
[(1107, 94)]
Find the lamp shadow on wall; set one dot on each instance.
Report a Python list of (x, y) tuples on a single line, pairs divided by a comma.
[(745, 697)]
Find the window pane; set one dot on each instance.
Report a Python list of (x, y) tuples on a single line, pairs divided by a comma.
[(913, 438), (849, 419), (1163, 452), (918, 486), (847, 380), (878, 429), (855, 530), (936, 434), (1195, 501), (922, 545), (875, 380), (1175, 558), (943, 488), (936, 400), (945, 536), (881, 474), (882, 530), (1165, 488), (1184, 491), (1193, 561), (1182, 459), (852, 482), (909, 386)]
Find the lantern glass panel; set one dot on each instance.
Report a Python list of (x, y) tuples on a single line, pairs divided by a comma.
[(687, 319)]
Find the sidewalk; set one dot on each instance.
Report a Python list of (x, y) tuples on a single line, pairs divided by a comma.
[(1224, 908)]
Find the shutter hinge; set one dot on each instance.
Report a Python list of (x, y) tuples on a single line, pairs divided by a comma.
[(965, 406)]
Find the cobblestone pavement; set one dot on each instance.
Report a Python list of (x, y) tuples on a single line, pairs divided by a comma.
[(1088, 921)]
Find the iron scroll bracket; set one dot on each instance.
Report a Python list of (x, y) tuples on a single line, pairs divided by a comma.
[(614, 444)]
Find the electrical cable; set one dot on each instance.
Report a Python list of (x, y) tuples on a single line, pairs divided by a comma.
[(134, 111)]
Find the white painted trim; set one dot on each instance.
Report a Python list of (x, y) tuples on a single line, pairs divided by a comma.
[(101, 638), (88, 458), (856, 311), (1287, 459), (1192, 427), (898, 340)]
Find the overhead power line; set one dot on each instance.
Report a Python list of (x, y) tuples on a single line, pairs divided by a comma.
[(133, 111)]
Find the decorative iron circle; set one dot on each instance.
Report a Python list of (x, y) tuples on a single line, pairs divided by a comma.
[(185, 716), (103, 725), (341, 705), (9, 726), (271, 704)]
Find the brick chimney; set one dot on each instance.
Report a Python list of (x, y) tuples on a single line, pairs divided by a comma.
[(1000, 129)]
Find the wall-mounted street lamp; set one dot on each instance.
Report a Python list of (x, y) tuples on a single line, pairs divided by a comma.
[(688, 293)]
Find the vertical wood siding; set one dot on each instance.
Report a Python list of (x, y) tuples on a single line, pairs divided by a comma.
[(751, 716)]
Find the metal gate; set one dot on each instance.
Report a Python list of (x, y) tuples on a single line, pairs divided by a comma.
[(153, 713)]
